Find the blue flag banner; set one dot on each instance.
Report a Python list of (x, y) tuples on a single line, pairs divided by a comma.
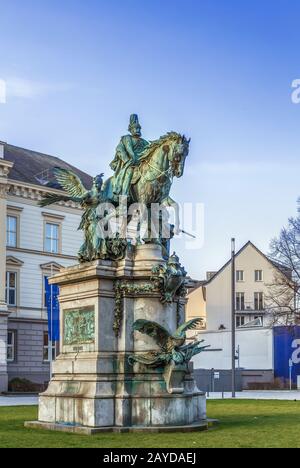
[(51, 293), (287, 352)]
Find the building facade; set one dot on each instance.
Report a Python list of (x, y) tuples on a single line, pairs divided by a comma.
[(196, 306), (254, 275), (34, 244)]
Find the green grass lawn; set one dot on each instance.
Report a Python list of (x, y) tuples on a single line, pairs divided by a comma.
[(243, 423)]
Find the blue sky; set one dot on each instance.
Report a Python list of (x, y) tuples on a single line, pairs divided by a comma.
[(219, 71)]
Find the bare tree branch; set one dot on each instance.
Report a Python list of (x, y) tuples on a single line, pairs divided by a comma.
[(283, 293)]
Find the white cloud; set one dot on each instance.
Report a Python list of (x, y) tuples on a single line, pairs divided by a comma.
[(28, 89)]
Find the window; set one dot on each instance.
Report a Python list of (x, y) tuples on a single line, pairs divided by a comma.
[(240, 320), (258, 301), (51, 238), (239, 275), (11, 231), (52, 232), (11, 288), (259, 317), (258, 275), (240, 301), (46, 348), (11, 345)]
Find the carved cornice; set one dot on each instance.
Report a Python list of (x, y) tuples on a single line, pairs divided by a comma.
[(5, 167), (36, 193), (53, 215), (3, 310), (16, 209), (51, 266), (3, 189), (13, 261), (41, 252)]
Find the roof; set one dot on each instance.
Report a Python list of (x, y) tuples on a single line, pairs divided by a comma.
[(37, 168), (279, 267), (197, 285)]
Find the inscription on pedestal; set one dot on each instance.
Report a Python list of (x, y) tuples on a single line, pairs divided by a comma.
[(79, 326)]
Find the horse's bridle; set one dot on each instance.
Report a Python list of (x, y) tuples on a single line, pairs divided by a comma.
[(167, 172)]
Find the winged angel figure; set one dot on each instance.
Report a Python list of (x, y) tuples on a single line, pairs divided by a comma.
[(95, 244), (172, 347)]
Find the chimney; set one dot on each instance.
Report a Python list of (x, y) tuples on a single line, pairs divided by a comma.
[(2, 146), (210, 274)]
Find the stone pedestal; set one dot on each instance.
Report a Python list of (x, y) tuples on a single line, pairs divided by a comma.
[(93, 385)]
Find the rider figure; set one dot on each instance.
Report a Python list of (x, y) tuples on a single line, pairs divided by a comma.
[(127, 156)]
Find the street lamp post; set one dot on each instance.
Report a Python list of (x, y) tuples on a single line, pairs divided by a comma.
[(233, 317)]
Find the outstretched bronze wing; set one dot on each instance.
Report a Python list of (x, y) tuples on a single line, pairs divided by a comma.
[(190, 325), (153, 329), (71, 183), (51, 198), (192, 349)]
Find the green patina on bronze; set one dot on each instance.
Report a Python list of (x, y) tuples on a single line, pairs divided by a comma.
[(79, 326), (173, 355), (172, 347), (143, 171), (170, 279), (95, 245), (126, 287), (128, 153)]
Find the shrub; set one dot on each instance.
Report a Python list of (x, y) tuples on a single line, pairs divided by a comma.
[(23, 386)]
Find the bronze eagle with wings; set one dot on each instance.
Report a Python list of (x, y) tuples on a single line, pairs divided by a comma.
[(76, 191), (96, 245), (172, 347)]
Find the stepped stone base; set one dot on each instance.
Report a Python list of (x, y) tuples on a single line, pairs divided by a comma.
[(94, 388), (83, 430)]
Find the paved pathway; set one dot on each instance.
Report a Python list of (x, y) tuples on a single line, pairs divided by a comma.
[(260, 395), (18, 400), (8, 400)]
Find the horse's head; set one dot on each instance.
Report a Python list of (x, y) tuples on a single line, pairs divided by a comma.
[(172, 149), (178, 154)]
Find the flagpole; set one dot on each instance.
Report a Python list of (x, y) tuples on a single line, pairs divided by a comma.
[(51, 326), (233, 352)]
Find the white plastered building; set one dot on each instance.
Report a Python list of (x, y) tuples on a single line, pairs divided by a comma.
[(254, 275), (34, 242)]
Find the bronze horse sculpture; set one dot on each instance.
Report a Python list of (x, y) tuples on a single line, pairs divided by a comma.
[(160, 162)]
